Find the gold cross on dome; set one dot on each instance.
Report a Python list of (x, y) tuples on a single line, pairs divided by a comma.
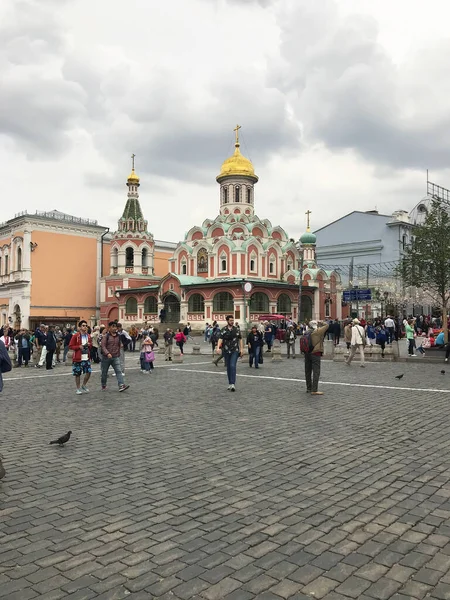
[(133, 156), (308, 213), (236, 129)]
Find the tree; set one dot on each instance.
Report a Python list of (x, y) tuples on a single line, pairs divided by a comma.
[(426, 261)]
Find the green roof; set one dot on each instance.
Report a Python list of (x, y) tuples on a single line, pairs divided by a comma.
[(132, 210), (189, 279), (308, 238)]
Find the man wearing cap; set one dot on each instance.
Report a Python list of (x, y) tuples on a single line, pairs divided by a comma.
[(358, 343), (313, 358)]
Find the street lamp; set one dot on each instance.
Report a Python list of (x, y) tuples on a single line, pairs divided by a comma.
[(117, 295)]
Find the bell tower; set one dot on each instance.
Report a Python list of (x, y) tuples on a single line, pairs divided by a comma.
[(132, 246), (237, 180)]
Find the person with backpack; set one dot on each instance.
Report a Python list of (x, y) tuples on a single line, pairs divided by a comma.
[(5, 363), (311, 345), (255, 342)]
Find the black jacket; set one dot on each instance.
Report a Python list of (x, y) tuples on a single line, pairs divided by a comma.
[(50, 343), (255, 339)]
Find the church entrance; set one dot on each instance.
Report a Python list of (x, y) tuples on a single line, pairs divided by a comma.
[(172, 308), (306, 314)]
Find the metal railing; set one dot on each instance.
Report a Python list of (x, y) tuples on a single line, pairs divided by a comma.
[(57, 216)]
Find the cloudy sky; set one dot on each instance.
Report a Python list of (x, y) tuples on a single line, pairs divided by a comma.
[(343, 105)]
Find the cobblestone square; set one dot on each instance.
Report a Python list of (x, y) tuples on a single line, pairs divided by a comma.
[(178, 489)]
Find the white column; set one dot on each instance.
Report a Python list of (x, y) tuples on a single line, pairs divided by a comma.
[(316, 305)]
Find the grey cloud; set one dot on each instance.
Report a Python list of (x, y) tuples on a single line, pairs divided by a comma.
[(349, 94)]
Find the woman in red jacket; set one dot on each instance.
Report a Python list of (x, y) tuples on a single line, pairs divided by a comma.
[(180, 340)]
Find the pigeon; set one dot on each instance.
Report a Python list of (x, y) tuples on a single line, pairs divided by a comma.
[(443, 372), (399, 376), (63, 439)]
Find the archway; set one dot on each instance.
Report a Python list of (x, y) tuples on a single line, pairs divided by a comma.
[(306, 309), (113, 314), (172, 308)]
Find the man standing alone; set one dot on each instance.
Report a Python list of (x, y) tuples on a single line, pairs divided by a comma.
[(50, 344), (313, 358), (231, 342), (389, 324)]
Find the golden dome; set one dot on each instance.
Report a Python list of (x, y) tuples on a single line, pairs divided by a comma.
[(133, 176), (237, 165)]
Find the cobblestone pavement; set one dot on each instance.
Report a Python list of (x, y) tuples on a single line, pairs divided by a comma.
[(178, 489)]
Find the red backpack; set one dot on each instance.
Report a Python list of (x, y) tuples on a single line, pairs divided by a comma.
[(306, 345)]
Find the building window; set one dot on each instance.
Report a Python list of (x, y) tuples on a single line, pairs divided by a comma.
[(171, 287), (1, 265), (129, 257), (184, 269), (259, 303), (144, 257), (196, 303), (237, 194), (131, 306), (6, 264), (150, 305), (404, 239), (110, 291), (272, 266), (19, 259), (223, 302), (253, 263), (115, 258), (289, 264), (284, 304), (223, 263), (225, 195), (249, 195)]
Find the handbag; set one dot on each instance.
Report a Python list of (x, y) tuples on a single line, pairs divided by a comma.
[(363, 339), (149, 356)]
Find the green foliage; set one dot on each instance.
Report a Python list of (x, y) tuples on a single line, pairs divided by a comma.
[(426, 262)]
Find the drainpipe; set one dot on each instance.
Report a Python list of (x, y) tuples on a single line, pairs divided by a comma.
[(101, 250)]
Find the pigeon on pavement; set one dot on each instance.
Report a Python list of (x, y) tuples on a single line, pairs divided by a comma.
[(63, 439), (399, 376)]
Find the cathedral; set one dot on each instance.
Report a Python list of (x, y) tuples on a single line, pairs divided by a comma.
[(234, 264)]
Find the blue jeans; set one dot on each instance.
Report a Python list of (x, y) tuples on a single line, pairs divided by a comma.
[(65, 352), (115, 364), (231, 362), (254, 356)]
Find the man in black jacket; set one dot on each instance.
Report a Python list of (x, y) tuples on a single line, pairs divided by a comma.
[(50, 344), (23, 347)]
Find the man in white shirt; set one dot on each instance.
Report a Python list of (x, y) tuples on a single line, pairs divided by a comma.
[(357, 344), (389, 323)]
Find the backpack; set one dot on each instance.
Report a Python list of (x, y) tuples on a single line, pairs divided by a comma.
[(306, 345)]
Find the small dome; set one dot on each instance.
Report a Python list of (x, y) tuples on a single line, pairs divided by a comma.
[(133, 176), (308, 238), (237, 165)]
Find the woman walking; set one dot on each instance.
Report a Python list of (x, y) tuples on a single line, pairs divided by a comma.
[(147, 356), (180, 340)]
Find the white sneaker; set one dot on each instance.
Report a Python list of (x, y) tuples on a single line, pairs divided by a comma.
[(229, 387), (446, 360), (233, 388), (78, 392), (84, 389), (413, 355)]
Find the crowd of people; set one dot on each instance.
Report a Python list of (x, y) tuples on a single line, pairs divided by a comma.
[(50, 345)]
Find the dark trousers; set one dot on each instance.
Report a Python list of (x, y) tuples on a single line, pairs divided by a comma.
[(411, 345), (231, 359), (390, 334), (447, 351), (49, 359), (268, 341), (312, 372), (94, 355), (132, 346), (337, 338), (24, 355), (382, 346), (254, 356)]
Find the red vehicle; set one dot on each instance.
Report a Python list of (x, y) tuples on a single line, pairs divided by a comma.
[(277, 318)]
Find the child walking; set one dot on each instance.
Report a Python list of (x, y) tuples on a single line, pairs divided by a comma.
[(147, 356)]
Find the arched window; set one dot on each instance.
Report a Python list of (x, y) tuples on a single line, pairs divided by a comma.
[(6, 264), (183, 267), (249, 195), (115, 258), (196, 303), (404, 238), (272, 265), (306, 314), (237, 194), (144, 257), (223, 263), (225, 195), (150, 305), (1, 265), (223, 302), (131, 306), (259, 303), (129, 257), (284, 304), (253, 263), (19, 259), (289, 264)]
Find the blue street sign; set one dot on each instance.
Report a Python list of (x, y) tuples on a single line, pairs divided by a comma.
[(357, 295)]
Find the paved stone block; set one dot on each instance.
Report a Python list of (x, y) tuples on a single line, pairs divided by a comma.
[(353, 587), (320, 587)]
